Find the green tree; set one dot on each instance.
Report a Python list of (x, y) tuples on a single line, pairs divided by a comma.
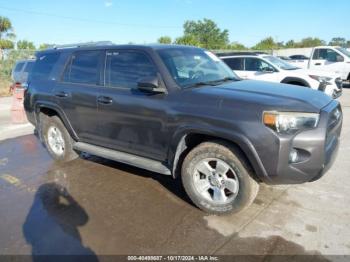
[(338, 41), (45, 46), (6, 33), (164, 40), (266, 44), (204, 33), (290, 44), (311, 42), (236, 46), (348, 44), (187, 40), (24, 44)]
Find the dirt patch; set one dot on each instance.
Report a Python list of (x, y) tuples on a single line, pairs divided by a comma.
[(311, 228), (4, 87)]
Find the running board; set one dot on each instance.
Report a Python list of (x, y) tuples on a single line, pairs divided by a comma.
[(141, 162)]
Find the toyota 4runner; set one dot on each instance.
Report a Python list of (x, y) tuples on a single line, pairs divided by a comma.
[(180, 111)]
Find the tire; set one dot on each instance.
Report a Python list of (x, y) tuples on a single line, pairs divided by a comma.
[(239, 188), (64, 151)]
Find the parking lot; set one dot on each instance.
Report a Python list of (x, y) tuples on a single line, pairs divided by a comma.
[(99, 207)]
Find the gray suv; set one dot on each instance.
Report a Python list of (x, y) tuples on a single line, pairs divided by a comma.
[(180, 111)]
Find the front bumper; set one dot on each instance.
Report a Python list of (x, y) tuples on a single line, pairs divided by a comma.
[(334, 90), (317, 148)]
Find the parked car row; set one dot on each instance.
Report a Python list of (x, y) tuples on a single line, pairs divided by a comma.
[(271, 68), (329, 59), (181, 111), (20, 73)]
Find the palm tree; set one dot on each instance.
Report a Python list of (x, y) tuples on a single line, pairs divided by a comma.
[(6, 34)]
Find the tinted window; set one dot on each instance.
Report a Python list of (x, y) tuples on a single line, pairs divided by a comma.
[(84, 68), (29, 67), (235, 63), (19, 67), (43, 65), (325, 54), (125, 68), (255, 64)]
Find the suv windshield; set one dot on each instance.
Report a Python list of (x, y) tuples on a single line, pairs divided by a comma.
[(280, 63), (344, 51), (194, 67)]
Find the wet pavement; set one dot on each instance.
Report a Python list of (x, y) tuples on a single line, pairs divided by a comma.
[(98, 207)]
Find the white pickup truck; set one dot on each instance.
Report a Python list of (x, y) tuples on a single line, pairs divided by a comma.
[(331, 59)]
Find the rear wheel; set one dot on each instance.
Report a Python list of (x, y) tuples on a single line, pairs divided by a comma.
[(57, 139), (218, 179)]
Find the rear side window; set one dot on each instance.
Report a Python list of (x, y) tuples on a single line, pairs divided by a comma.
[(43, 65), (125, 68), (29, 67), (235, 63), (84, 68), (19, 67)]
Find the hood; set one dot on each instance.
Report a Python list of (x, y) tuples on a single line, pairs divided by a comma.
[(269, 95)]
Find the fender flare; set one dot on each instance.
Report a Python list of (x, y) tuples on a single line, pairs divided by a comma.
[(45, 104), (295, 79), (178, 146)]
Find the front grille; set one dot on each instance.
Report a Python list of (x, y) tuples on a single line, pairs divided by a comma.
[(334, 117)]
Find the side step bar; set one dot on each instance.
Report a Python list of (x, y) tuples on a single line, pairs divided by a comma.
[(141, 162)]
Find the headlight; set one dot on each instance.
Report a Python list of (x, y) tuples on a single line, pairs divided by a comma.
[(321, 78), (290, 122)]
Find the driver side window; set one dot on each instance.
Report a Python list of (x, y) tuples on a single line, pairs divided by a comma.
[(325, 54), (257, 65)]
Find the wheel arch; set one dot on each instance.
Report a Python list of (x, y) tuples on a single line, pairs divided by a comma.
[(185, 141), (51, 109), (295, 80)]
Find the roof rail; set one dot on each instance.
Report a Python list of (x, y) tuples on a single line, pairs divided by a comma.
[(254, 53), (87, 44)]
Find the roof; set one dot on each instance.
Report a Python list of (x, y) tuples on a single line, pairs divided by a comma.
[(229, 54), (97, 46)]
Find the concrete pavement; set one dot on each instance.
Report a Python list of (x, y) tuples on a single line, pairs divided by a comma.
[(7, 129)]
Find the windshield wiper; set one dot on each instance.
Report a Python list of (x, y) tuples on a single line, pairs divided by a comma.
[(211, 83), (198, 84), (226, 79)]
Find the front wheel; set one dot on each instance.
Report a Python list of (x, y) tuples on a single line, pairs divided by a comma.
[(218, 179)]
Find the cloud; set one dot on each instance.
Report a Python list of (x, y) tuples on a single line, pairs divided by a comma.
[(108, 3)]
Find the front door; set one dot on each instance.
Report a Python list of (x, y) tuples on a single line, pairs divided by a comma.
[(325, 59), (131, 120), (257, 69)]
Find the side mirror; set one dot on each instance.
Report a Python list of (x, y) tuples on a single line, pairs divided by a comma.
[(340, 58), (268, 70), (150, 84)]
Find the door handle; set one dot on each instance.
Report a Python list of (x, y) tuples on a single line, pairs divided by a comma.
[(61, 94), (317, 64), (104, 100)]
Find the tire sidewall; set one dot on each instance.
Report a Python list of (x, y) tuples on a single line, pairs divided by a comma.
[(54, 122), (239, 202)]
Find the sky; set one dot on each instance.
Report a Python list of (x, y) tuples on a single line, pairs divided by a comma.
[(144, 21)]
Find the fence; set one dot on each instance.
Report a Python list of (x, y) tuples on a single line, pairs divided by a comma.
[(8, 59)]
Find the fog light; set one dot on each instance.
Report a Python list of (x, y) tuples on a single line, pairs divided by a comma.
[(293, 156)]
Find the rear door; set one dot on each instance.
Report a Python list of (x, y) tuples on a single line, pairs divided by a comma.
[(131, 120), (77, 92)]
